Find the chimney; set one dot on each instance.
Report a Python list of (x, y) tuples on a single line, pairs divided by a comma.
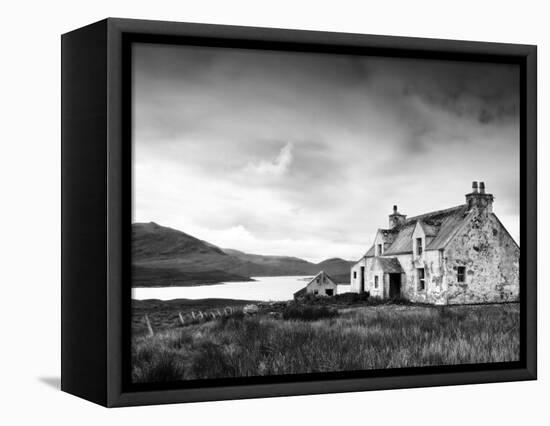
[(482, 187), (480, 200), (396, 218)]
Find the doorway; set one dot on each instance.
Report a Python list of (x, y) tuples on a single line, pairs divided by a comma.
[(395, 286), (362, 280)]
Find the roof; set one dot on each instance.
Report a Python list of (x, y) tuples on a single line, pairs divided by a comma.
[(439, 226), (429, 230), (321, 275), (300, 292), (370, 252), (387, 264)]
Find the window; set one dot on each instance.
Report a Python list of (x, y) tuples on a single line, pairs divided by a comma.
[(461, 274), (318, 279), (419, 246), (379, 250), (376, 281), (354, 274), (316, 292), (329, 292), (421, 279)]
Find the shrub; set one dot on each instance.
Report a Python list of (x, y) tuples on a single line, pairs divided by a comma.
[(209, 360), (235, 316), (308, 313), (350, 298), (164, 367), (449, 314), (344, 298)]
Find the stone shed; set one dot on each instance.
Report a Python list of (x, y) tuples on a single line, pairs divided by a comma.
[(320, 285)]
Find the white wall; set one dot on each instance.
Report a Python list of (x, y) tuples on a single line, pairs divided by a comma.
[(321, 286), (30, 251), (356, 282)]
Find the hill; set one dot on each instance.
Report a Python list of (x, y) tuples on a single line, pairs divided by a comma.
[(163, 256), (274, 265), (152, 241)]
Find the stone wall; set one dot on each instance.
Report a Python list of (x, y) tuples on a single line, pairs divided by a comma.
[(430, 261), (369, 280), (434, 291), (321, 286), (355, 282), (491, 260)]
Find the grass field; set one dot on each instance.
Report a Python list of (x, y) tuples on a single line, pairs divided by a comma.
[(349, 338)]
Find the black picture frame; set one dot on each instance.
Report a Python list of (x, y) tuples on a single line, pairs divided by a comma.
[(96, 210)]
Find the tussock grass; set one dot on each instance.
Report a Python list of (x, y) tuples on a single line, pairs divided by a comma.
[(373, 337), (308, 313)]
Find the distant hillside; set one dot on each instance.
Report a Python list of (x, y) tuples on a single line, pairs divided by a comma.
[(335, 266), (338, 269), (274, 265), (152, 241), (164, 256)]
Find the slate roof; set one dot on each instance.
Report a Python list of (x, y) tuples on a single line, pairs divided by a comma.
[(439, 226), (448, 225), (300, 292), (387, 264), (429, 230), (370, 252), (303, 290), (321, 274)]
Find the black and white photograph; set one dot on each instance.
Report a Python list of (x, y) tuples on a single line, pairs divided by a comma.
[(301, 212), (277, 213)]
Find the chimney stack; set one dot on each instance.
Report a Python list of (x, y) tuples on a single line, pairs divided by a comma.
[(396, 218), (482, 187), (480, 199)]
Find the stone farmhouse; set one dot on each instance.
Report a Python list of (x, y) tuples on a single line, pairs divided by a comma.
[(458, 255), (321, 285)]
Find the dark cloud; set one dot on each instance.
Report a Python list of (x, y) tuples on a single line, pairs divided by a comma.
[(305, 154)]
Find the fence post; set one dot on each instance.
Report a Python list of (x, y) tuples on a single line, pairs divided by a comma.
[(151, 332), (181, 318)]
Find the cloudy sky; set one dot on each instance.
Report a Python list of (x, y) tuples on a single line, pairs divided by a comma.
[(305, 154)]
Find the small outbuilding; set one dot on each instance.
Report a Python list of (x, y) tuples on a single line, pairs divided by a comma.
[(321, 285)]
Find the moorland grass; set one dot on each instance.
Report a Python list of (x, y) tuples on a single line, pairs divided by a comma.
[(372, 337), (308, 313)]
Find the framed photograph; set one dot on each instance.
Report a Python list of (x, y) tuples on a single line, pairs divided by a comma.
[(254, 212)]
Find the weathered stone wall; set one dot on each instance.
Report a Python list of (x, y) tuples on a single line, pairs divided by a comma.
[(435, 290), (355, 282), (380, 239), (491, 259), (321, 286), (381, 291)]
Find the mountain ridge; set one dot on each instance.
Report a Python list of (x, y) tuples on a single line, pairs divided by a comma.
[(163, 256)]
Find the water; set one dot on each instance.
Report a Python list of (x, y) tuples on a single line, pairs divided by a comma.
[(264, 289)]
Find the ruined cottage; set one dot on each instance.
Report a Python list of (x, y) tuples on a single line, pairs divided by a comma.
[(458, 255), (320, 285)]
